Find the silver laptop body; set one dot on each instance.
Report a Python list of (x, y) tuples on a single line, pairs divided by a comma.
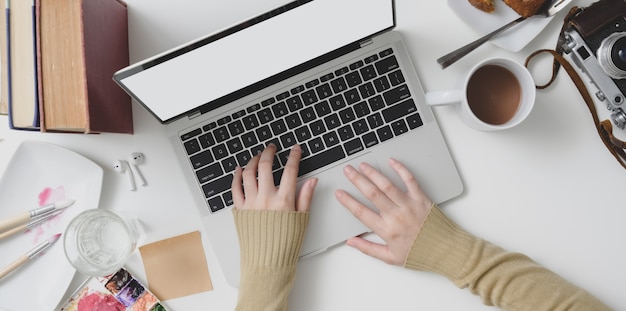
[(418, 143)]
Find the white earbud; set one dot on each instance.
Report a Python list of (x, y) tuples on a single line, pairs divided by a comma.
[(121, 167), (135, 159)]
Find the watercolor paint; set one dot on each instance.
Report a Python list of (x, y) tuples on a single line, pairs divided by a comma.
[(117, 292)]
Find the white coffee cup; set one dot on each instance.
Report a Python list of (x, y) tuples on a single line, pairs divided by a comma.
[(497, 94)]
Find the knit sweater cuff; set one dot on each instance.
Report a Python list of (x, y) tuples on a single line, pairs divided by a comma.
[(270, 238), (441, 247)]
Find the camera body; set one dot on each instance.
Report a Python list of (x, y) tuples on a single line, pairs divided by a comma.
[(602, 56)]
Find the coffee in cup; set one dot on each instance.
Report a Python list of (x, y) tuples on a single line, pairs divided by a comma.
[(496, 94)]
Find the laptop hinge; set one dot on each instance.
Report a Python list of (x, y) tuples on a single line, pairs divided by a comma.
[(194, 115), (366, 42)]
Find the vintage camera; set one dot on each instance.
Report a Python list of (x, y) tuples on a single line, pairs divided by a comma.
[(602, 55)]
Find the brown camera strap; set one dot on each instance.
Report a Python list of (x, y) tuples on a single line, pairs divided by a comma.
[(604, 128)]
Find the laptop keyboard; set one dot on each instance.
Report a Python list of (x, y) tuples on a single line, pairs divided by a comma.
[(333, 116)]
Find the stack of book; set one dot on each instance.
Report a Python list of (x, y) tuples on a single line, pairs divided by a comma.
[(58, 63)]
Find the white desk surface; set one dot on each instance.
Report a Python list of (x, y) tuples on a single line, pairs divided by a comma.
[(547, 188)]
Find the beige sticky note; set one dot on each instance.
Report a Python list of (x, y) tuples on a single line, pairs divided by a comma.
[(176, 267)]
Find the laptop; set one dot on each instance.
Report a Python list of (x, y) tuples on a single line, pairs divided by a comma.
[(330, 75)]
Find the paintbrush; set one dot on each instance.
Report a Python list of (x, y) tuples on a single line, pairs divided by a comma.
[(30, 255), (24, 218), (31, 224)]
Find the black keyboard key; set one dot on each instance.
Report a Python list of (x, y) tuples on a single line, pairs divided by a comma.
[(297, 89), (347, 115), (209, 173), (320, 160), (414, 121), (368, 73), (224, 120), (294, 103), (276, 163), (312, 83), (192, 146), (360, 126), (352, 96), (277, 177), (324, 91), (280, 109), (293, 120), (397, 94), (384, 133), (345, 132), (399, 127), (268, 102), (201, 159), (236, 128), (309, 97), (307, 115), (361, 109), (191, 134), (221, 134), (387, 64), (339, 85), (367, 90), (234, 145), (229, 164), (322, 108), (228, 198), (288, 140), (282, 96), (385, 53), (243, 158), (250, 122), (376, 102), (327, 77), (239, 114), (332, 121), (264, 133), (353, 79), (370, 139), (257, 149), (400, 110), (278, 127), (218, 186), (316, 145), (220, 151), (341, 71), (353, 146), (381, 84), (283, 156), (356, 65), (249, 139), (317, 128), (396, 78), (209, 126), (375, 120), (330, 139), (305, 151), (371, 59), (302, 134), (265, 115), (276, 142), (337, 102), (253, 108), (216, 204), (206, 140)]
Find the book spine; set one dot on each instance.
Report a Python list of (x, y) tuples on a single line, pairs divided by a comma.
[(7, 12), (35, 73)]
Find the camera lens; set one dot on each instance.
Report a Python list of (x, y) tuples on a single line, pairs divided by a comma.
[(612, 55)]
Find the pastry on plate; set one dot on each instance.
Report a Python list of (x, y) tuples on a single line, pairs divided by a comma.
[(483, 5)]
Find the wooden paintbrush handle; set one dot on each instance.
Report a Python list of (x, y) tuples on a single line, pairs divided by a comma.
[(14, 265), (12, 231), (15, 221)]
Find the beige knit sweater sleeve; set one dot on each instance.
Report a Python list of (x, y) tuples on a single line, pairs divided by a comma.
[(270, 243), (510, 281)]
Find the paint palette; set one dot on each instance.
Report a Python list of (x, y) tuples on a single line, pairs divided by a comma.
[(117, 292)]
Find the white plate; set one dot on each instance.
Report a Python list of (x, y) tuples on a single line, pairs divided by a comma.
[(513, 39), (38, 174)]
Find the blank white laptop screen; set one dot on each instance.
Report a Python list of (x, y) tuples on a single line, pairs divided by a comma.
[(183, 83)]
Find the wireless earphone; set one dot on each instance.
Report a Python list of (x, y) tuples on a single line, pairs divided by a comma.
[(135, 159), (121, 167)]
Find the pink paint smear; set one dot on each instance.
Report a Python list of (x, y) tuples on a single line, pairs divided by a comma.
[(47, 196), (100, 302)]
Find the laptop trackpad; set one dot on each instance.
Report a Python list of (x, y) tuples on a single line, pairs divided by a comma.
[(330, 223)]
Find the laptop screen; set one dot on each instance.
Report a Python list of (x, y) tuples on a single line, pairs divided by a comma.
[(195, 76)]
